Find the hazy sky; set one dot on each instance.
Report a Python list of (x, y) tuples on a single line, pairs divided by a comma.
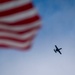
[(58, 27)]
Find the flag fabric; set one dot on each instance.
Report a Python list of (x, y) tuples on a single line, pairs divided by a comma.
[(19, 23)]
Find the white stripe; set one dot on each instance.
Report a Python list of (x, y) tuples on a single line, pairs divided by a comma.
[(19, 16), (13, 4), (21, 27), (15, 44), (18, 36)]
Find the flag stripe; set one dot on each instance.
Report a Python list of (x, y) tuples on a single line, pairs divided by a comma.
[(16, 10), (20, 27), (17, 40), (17, 48), (19, 16), (4, 1), (17, 36), (25, 21), (21, 32), (15, 44), (12, 4)]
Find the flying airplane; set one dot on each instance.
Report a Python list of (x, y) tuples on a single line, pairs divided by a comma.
[(57, 49)]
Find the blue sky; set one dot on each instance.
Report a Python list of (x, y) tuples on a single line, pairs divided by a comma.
[(58, 27)]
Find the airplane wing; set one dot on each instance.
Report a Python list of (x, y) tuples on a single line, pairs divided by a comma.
[(60, 48), (56, 47), (59, 52)]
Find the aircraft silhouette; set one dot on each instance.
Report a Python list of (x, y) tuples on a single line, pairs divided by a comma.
[(57, 49)]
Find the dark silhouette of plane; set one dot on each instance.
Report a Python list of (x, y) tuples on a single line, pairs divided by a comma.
[(57, 49)]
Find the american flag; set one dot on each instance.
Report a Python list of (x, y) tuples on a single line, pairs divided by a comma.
[(19, 23)]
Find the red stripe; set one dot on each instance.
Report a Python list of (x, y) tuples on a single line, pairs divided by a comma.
[(25, 21), (18, 48), (26, 48), (17, 40), (4, 1), (21, 32), (4, 46), (16, 10)]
